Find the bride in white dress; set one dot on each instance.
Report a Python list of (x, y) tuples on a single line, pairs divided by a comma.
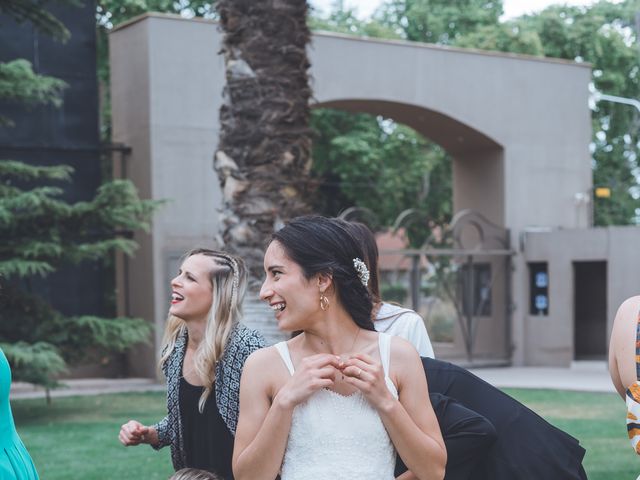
[(337, 401)]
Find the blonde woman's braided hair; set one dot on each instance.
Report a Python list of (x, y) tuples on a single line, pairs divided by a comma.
[(228, 278)]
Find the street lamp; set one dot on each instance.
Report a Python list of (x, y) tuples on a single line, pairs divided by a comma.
[(598, 96)]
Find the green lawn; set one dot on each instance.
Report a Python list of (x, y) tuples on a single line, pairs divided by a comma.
[(76, 438), (597, 420)]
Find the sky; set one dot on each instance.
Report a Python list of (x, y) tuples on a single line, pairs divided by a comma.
[(512, 8)]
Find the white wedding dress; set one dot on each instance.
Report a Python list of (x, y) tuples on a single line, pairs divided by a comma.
[(335, 437)]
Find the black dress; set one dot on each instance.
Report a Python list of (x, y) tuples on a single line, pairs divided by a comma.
[(467, 436), (208, 444), (526, 446)]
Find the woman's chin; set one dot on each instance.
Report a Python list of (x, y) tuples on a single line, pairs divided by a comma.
[(176, 312), (284, 325)]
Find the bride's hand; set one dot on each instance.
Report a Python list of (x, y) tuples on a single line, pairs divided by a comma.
[(367, 375), (313, 373)]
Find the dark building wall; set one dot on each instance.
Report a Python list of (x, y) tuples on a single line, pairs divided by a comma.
[(65, 135), (73, 126)]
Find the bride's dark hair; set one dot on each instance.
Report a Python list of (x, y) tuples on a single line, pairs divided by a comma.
[(367, 239), (328, 246)]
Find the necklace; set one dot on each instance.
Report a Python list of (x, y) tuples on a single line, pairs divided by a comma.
[(355, 339), (353, 345)]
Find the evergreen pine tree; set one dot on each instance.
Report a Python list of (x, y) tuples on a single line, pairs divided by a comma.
[(40, 232)]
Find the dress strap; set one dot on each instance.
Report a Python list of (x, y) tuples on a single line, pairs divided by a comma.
[(384, 342), (638, 348), (283, 350)]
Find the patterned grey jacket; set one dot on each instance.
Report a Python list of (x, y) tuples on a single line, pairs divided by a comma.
[(242, 342)]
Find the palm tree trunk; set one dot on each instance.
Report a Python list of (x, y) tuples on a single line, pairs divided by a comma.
[(264, 154)]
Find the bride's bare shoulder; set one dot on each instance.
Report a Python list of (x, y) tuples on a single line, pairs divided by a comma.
[(264, 355), (403, 349)]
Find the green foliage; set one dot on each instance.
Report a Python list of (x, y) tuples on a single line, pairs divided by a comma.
[(33, 12), (20, 84), (438, 21), (385, 167), (35, 362), (42, 232), (50, 340), (113, 12), (504, 37), (109, 334), (23, 171), (602, 34), (342, 19)]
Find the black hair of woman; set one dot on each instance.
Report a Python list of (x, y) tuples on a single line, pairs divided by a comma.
[(367, 240)]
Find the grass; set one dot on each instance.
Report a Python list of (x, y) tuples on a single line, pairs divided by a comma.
[(597, 420), (76, 437)]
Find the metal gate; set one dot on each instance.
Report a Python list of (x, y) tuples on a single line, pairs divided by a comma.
[(460, 282)]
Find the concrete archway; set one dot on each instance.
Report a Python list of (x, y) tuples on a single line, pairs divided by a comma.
[(512, 124), (488, 110)]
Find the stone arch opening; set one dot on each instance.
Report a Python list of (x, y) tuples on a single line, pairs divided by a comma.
[(460, 291), (477, 159)]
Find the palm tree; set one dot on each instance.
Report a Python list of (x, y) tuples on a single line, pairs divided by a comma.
[(264, 153)]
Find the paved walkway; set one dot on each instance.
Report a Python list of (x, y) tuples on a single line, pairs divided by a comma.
[(577, 379), (589, 377), (87, 386)]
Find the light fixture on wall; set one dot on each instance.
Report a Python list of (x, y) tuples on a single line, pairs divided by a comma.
[(582, 199)]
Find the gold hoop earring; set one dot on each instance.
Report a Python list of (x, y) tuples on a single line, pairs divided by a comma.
[(324, 302)]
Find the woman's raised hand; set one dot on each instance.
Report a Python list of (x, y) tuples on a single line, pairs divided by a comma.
[(367, 375), (313, 373), (133, 433)]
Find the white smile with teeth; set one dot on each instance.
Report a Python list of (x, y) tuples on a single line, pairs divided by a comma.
[(176, 297), (278, 307)]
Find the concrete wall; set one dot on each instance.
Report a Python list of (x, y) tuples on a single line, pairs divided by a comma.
[(468, 101), (549, 339), (518, 128), (166, 94), (515, 160)]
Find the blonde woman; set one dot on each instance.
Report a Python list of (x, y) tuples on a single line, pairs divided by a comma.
[(204, 350)]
